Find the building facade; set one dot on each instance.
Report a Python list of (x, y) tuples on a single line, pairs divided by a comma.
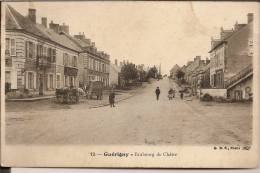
[(94, 65), (39, 59), (190, 68), (231, 54)]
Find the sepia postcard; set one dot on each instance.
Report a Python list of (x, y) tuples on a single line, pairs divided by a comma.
[(130, 84)]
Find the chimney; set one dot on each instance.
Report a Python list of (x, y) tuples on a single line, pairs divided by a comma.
[(44, 21), (207, 61), (250, 17), (116, 62), (64, 28), (55, 27), (197, 58), (32, 14)]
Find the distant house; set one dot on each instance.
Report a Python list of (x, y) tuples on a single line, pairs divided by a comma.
[(114, 75), (201, 77), (231, 61), (191, 67)]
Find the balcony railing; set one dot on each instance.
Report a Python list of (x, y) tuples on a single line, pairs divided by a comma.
[(70, 71), (43, 62), (243, 73)]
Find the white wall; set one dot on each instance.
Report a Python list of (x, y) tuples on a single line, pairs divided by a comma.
[(215, 92), (113, 76)]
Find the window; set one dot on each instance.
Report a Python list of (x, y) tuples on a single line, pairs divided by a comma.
[(29, 49), (74, 61), (7, 46), (51, 81), (13, 49), (250, 51), (10, 47), (44, 51), (66, 81), (103, 67), (49, 55), (250, 42), (39, 50), (94, 65), (91, 64), (65, 59), (99, 66), (30, 80), (58, 81)]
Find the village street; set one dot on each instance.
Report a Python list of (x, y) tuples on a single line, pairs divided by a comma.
[(138, 120)]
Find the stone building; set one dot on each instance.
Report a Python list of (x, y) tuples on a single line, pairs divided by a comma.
[(190, 68), (230, 56), (94, 64), (38, 59)]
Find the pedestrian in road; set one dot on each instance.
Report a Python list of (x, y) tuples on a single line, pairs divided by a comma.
[(112, 99), (157, 92), (181, 95), (170, 94)]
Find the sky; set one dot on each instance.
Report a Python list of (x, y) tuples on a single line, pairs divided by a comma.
[(147, 33)]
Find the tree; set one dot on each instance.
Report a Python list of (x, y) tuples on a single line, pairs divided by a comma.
[(129, 72), (152, 73), (142, 75)]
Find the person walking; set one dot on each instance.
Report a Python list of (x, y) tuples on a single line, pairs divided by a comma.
[(181, 94), (157, 92), (112, 99), (170, 94)]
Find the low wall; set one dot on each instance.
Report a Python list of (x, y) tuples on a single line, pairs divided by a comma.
[(215, 92)]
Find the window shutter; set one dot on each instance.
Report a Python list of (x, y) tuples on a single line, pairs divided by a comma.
[(34, 80), (48, 81), (26, 80), (63, 58), (34, 50), (54, 55), (26, 49)]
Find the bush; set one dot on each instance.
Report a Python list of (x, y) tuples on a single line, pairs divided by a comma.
[(220, 99), (206, 97)]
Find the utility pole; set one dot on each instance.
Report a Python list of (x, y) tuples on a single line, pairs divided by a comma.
[(160, 69)]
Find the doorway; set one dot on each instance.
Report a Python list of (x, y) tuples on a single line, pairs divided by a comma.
[(238, 95)]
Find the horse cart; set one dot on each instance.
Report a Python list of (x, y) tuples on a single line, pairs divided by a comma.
[(67, 95), (95, 89)]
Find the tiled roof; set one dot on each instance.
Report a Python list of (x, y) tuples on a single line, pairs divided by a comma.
[(82, 43), (58, 38), (16, 21)]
